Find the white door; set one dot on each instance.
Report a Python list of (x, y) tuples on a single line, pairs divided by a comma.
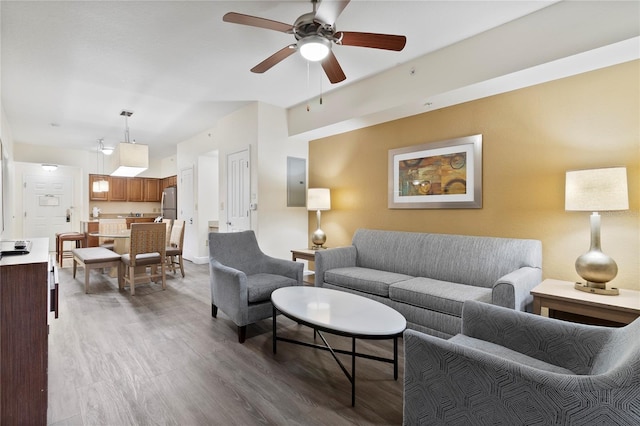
[(187, 212), (238, 191), (47, 206)]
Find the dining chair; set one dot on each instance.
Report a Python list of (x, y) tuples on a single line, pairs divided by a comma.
[(110, 226), (169, 223), (174, 248), (147, 252)]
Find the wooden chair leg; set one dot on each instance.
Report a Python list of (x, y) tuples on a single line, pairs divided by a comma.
[(163, 271), (86, 279), (120, 275), (181, 265), (132, 280), (242, 334)]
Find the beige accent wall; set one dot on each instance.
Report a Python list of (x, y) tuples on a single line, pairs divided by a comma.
[(531, 137)]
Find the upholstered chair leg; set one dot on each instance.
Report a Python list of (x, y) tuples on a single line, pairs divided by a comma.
[(181, 265), (214, 311), (242, 334)]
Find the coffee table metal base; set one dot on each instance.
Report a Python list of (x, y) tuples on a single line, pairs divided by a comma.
[(326, 347)]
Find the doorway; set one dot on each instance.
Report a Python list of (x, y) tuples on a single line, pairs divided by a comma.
[(47, 206), (238, 191)]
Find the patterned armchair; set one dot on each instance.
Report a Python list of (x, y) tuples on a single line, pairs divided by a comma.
[(514, 368)]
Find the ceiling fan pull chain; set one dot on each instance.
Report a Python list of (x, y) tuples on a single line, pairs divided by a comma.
[(308, 107), (320, 88)]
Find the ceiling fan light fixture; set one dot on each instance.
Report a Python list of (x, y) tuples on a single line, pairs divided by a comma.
[(314, 48)]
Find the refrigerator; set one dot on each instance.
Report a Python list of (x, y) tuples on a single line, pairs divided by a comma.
[(169, 203)]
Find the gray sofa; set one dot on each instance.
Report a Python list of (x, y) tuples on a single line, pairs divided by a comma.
[(428, 277), (512, 368)]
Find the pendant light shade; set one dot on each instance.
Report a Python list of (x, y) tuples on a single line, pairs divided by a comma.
[(129, 159)]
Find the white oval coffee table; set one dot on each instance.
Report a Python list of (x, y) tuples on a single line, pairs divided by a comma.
[(340, 313)]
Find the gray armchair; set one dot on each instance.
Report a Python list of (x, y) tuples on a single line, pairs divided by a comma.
[(242, 278), (514, 368)]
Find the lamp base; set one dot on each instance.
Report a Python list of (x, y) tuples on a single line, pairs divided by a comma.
[(597, 290)]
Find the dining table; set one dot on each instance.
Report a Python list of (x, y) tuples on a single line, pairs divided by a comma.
[(121, 240)]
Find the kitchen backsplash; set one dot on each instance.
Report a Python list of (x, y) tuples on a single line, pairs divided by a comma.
[(112, 209)]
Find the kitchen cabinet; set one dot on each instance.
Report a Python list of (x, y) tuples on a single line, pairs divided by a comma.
[(128, 189), (151, 189), (24, 311), (135, 189), (117, 188), (91, 227), (170, 181), (98, 196)]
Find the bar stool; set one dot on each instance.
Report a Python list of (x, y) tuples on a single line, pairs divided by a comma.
[(61, 237)]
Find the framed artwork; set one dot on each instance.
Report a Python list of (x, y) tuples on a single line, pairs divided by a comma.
[(438, 175)]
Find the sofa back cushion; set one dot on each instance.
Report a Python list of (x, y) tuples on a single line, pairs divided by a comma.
[(458, 258)]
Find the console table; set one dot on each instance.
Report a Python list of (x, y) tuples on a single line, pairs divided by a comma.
[(565, 302), (24, 309)]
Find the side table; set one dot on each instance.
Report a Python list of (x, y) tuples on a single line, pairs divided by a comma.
[(308, 255), (565, 302)]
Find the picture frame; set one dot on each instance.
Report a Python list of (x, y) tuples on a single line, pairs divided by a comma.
[(438, 175)]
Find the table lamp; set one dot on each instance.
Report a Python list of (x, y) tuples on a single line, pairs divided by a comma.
[(318, 199), (596, 190)]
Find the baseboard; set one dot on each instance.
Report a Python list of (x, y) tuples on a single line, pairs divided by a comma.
[(198, 260)]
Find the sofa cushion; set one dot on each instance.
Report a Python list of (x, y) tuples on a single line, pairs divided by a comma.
[(260, 286), (506, 353), (372, 281), (478, 261), (435, 295)]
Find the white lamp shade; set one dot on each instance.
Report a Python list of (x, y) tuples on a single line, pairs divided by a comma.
[(597, 189), (319, 199), (130, 159), (314, 48)]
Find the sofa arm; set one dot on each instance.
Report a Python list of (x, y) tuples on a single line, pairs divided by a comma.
[(568, 345), (229, 289), (446, 383), (339, 257), (514, 289)]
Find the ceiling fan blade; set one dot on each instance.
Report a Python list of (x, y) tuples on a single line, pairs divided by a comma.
[(333, 69), (272, 60), (328, 11), (375, 41), (254, 21)]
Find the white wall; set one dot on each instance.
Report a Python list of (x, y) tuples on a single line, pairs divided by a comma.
[(281, 228), (263, 129)]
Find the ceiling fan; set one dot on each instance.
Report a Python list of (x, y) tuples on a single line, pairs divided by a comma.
[(315, 34)]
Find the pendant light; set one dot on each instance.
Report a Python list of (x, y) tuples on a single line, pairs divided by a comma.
[(102, 184), (130, 159)]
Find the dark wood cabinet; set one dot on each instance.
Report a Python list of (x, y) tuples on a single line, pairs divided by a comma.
[(24, 308)]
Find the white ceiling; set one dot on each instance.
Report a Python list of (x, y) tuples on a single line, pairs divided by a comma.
[(70, 67)]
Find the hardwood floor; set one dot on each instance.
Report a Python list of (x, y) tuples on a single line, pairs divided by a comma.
[(160, 358)]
